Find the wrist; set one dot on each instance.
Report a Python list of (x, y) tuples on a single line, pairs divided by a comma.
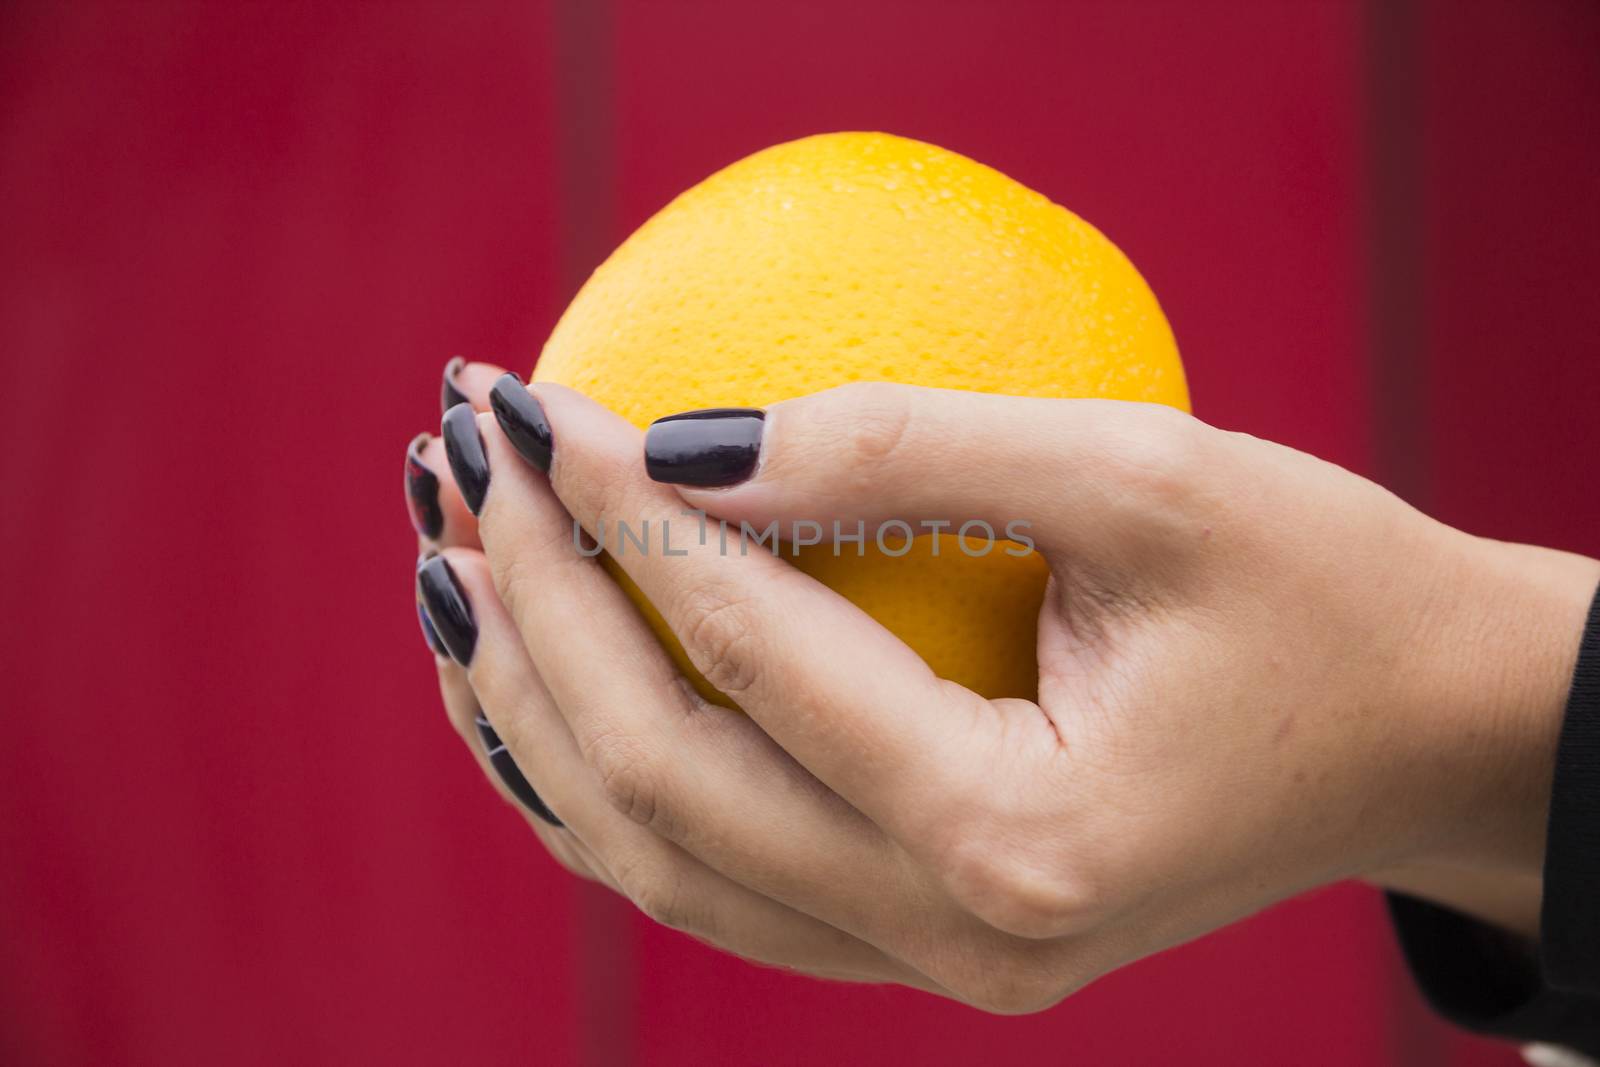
[(1501, 634)]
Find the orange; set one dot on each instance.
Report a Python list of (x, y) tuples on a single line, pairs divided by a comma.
[(859, 257)]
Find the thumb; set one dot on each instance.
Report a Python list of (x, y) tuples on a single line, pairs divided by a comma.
[(1080, 478)]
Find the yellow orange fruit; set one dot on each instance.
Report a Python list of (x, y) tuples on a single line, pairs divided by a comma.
[(868, 257)]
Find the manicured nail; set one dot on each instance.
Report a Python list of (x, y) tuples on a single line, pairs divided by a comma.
[(449, 394), (429, 634), (521, 418), (448, 608), (506, 767), (463, 447), (715, 447), (422, 491)]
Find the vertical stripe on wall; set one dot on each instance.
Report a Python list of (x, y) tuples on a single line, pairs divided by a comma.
[(1397, 334), (585, 100), (1397, 315)]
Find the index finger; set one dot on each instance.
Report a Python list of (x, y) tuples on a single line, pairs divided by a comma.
[(850, 701)]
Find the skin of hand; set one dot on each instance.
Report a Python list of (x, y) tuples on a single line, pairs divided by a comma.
[(1259, 674), (471, 382)]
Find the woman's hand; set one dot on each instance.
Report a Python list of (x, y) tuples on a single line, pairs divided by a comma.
[(1258, 674)]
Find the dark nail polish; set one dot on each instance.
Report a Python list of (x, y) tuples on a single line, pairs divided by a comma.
[(521, 418), (715, 447), (448, 608), (422, 491), (463, 447), (511, 774), (429, 634), (449, 394)]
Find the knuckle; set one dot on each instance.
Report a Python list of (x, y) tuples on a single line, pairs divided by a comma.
[(1159, 454), (657, 891), (662, 905), (1009, 992), (1012, 985), (627, 775), (720, 632), (871, 419), (517, 581), (1002, 886)]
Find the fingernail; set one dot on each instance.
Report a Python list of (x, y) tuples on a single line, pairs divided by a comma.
[(448, 608), (429, 634), (521, 418), (511, 774), (463, 447), (449, 394), (422, 491), (710, 448)]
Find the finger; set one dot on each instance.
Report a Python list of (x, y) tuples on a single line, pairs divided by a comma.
[(436, 498), (1085, 479), (664, 880), (438, 512), (467, 382), (441, 518), (851, 702), (470, 724), (569, 612), (450, 638), (707, 779), (507, 779), (466, 718)]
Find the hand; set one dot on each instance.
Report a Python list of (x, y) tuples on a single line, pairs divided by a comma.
[(1258, 674), (443, 519)]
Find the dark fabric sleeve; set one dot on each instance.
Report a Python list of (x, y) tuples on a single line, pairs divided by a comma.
[(1489, 981)]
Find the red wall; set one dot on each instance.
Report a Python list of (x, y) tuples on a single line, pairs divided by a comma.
[(238, 244), (1511, 259)]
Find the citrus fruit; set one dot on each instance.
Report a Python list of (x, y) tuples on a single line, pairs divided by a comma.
[(867, 257)]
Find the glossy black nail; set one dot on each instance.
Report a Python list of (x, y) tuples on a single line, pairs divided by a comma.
[(463, 447), (429, 634), (448, 608), (521, 419), (710, 448), (511, 774), (449, 393), (422, 491)]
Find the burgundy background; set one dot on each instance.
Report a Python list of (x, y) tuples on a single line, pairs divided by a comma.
[(236, 245)]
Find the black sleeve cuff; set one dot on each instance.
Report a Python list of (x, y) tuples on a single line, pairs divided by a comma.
[(1488, 981), (1485, 979), (1569, 919)]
